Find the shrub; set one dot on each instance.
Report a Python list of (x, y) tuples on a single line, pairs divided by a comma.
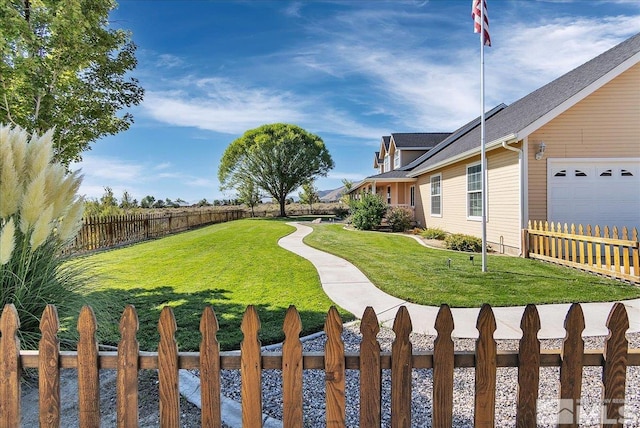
[(340, 211), (40, 213), (433, 233), (399, 219), (461, 242), (368, 211)]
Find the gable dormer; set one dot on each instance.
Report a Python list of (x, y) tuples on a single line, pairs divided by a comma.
[(384, 160)]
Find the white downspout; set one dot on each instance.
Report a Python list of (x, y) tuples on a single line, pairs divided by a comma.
[(521, 184)]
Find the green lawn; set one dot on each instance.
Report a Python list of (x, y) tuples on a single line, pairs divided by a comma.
[(402, 267), (228, 266)]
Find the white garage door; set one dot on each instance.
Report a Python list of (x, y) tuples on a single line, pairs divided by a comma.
[(604, 192)]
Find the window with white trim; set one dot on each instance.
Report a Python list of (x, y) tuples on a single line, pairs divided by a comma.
[(474, 191), (388, 194), (396, 159), (387, 163), (436, 195), (412, 196)]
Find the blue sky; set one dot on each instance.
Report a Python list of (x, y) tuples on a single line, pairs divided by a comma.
[(349, 71)]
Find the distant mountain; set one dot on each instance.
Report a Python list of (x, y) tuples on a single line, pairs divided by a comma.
[(331, 195)]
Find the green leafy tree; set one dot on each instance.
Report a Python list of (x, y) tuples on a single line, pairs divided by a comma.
[(127, 202), (348, 185), (105, 206), (278, 157), (171, 204), (368, 211), (249, 193), (108, 199), (309, 195), (147, 201), (62, 66)]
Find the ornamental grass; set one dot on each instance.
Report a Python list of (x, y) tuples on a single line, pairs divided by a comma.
[(40, 213)]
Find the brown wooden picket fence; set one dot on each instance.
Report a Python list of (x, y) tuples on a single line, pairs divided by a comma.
[(251, 360), (102, 232), (601, 251)]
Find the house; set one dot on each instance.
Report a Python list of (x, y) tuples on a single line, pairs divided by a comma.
[(397, 152), (568, 152)]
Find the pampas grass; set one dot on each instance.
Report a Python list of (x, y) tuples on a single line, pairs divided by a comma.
[(40, 213)]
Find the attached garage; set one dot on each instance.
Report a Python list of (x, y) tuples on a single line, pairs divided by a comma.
[(604, 192)]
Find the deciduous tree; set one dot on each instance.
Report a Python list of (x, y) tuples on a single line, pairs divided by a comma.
[(309, 195), (278, 157), (63, 67), (249, 193)]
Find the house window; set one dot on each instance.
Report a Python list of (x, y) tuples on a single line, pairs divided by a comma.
[(474, 191), (387, 163), (396, 159), (388, 194), (436, 195), (412, 196)]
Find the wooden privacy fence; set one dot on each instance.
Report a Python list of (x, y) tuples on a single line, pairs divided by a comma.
[(128, 360), (100, 232), (604, 252)]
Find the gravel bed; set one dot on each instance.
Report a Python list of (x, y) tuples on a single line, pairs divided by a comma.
[(314, 390)]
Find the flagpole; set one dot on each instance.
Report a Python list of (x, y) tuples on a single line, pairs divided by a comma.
[(483, 161)]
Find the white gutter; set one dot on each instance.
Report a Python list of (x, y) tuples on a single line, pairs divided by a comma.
[(511, 138)]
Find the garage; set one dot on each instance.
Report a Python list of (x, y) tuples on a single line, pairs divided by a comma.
[(604, 192)]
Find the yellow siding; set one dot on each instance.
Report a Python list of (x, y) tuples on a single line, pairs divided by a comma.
[(503, 220), (606, 124)]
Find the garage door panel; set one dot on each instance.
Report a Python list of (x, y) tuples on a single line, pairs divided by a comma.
[(602, 192)]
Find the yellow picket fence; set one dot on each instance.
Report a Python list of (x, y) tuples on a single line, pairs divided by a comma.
[(602, 251)]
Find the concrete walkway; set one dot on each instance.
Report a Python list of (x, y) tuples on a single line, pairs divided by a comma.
[(351, 289)]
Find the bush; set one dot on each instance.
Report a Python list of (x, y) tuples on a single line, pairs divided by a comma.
[(433, 233), (340, 211), (368, 211), (399, 219), (40, 214), (461, 242)]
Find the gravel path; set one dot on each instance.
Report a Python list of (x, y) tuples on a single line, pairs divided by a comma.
[(314, 395)]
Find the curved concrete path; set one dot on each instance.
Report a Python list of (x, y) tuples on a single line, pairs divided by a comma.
[(351, 289)]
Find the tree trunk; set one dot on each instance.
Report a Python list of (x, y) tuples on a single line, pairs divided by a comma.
[(282, 203)]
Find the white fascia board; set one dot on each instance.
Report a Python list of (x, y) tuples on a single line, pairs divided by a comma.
[(509, 139), (552, 114), (383, 149), (357, 186)]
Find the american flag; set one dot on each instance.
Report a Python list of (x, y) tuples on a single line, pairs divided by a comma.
[(475, 14)]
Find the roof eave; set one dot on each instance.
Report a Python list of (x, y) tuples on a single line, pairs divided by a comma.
[(511, 138)]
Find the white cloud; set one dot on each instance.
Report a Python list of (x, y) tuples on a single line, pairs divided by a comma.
[(398, 73), (220, 105), (169, 61), (293, 9), (163, 165), (426, 88), (109, 168), (136, 178), (217, 104)]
